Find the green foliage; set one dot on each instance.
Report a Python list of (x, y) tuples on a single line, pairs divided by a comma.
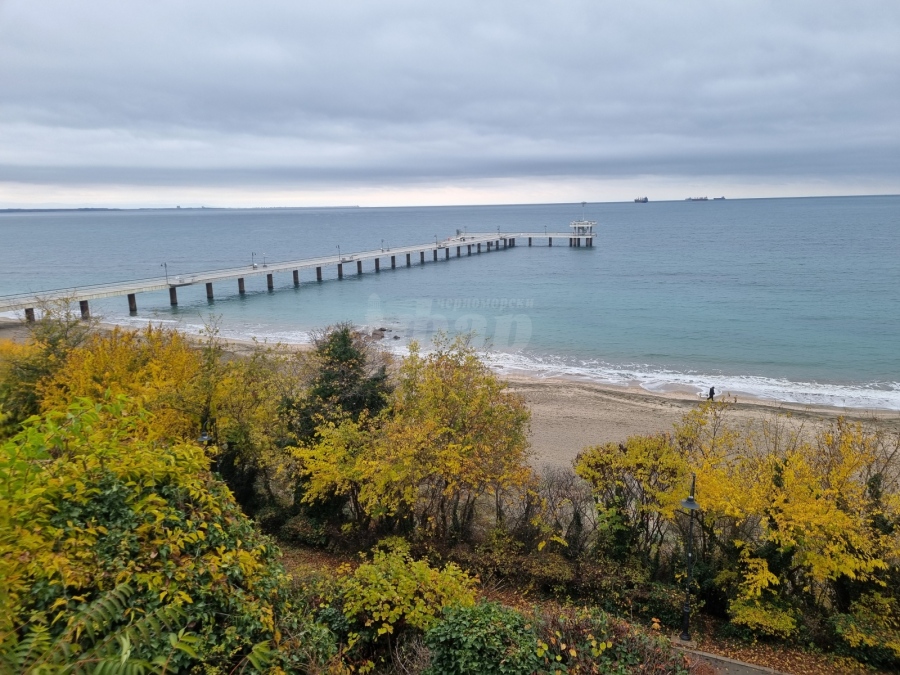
[(86, 503), (580, 640), (455, 435), (484, 639), (97, 640), (870, 632), (395, 593), (635, 484), (348, 382)]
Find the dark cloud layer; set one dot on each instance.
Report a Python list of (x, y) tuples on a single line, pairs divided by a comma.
[(230, 93)]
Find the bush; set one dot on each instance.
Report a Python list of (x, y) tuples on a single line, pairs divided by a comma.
[(485, 639), (871, 631), (87, 503), (394, 592), (588, 641)]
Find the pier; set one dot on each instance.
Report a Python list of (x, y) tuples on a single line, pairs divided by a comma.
[(462, 245)]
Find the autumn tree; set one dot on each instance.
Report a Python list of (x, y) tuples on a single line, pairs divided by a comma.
[(811, 524), (637, 487), (451, 436), (24, 367)]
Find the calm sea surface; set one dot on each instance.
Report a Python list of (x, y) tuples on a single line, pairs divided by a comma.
[(792, 299)]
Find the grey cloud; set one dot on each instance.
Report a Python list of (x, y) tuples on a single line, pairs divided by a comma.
[(206, 92)]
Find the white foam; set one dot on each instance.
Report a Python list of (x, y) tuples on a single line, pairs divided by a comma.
[(875, 395)]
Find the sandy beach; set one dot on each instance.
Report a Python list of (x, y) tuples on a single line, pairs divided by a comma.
[(569, 415)]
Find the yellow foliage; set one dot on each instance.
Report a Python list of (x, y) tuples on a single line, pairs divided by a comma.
[(157, 368), (394, 589), (450, 435), (454, 434), (813, 499), (763, 618)]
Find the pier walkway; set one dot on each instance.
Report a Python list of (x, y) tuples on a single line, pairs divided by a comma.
[(458, 246)]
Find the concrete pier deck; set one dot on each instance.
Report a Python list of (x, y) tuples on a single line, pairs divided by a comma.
[(462, 245)]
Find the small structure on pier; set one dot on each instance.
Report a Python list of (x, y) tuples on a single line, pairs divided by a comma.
[(583, 228)]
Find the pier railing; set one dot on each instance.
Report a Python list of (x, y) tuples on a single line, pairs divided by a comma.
[(463, 244)]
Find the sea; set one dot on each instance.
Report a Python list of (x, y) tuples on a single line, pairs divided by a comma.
[(794, 300)]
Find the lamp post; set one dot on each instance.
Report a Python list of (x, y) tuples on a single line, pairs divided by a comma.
[(339, 253), (253, 260), (166, 267), (264, 259), (691, 505)]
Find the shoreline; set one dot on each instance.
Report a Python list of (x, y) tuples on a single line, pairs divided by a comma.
[(569, 414)]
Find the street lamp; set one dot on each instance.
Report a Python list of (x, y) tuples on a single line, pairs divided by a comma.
[(264, 259), (691, 505), (339, 253), (166, 267), (253, 260)]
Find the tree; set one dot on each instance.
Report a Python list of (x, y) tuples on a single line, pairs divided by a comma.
[(348, 381), (636, 488), (800, 524), (454, 435), (451, 435)]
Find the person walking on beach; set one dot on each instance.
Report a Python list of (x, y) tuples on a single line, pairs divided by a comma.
[(712, 394)]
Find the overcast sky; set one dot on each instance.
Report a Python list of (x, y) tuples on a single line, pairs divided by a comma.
[(393, 102)]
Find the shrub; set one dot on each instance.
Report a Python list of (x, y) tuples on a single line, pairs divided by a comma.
[(394, 592), (485, 639), (871, 631), (87, 503), (588, 641)]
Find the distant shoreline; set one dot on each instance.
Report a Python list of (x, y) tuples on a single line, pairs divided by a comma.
[(399, 206)]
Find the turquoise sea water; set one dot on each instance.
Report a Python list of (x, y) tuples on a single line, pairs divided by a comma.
[(791, 299)]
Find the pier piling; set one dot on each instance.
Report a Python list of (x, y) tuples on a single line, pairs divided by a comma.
[(583, 235), (85, 309)]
